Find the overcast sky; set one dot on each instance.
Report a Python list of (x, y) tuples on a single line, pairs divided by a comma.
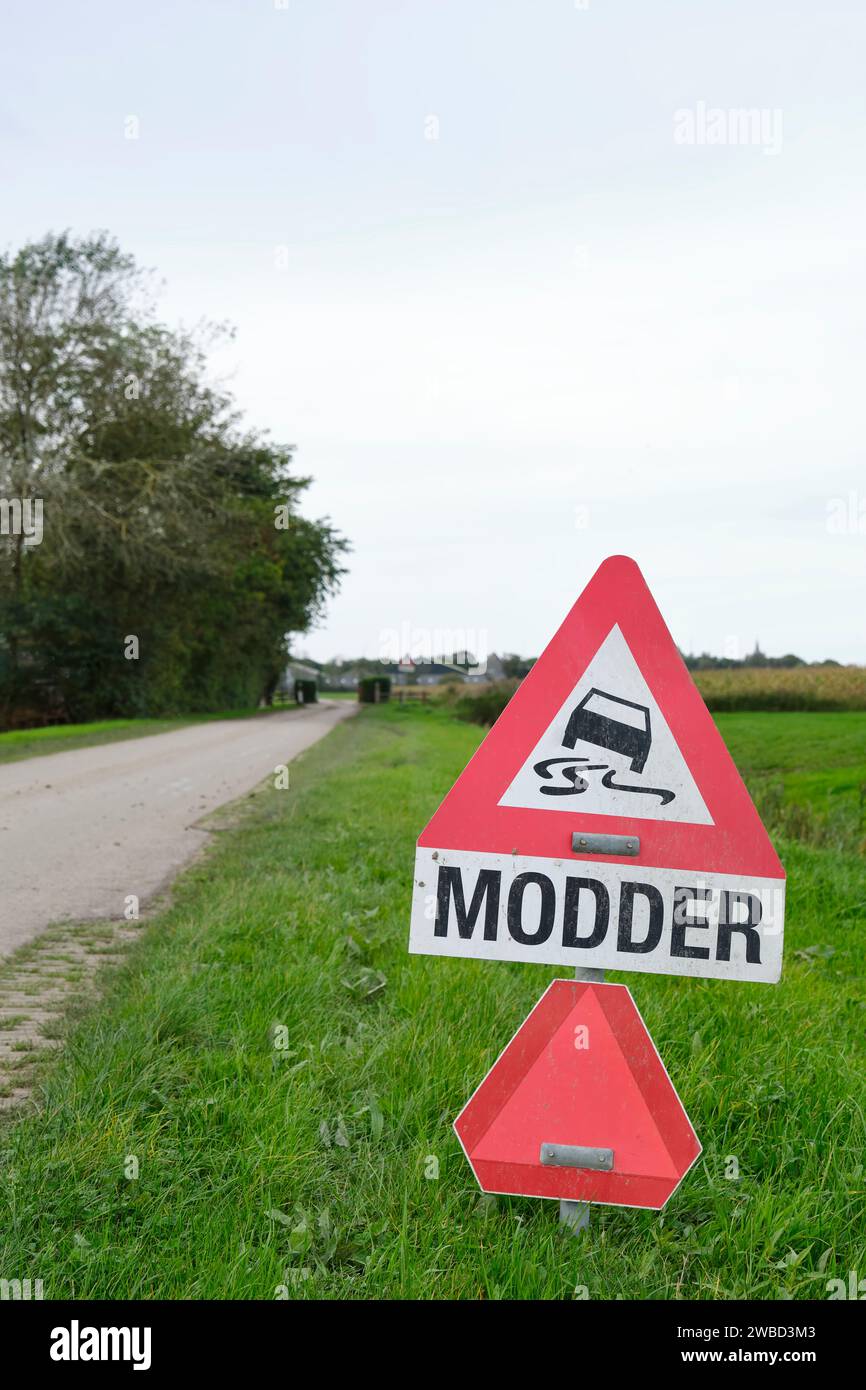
[(512, 277)]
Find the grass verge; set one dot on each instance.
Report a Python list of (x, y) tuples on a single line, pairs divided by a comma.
[(261, 1106), (16, 744)]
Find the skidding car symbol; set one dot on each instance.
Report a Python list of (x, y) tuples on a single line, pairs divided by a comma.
[(598, 719), (601, 719)]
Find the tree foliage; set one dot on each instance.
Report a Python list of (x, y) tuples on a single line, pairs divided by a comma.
[(163, 518)]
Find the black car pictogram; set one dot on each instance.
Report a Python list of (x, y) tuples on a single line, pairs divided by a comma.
[(598, 720)]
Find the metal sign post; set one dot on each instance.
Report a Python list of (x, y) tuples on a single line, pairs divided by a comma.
[(576, 1215)]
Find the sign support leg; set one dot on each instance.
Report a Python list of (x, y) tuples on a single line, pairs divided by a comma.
[(575, 1215)]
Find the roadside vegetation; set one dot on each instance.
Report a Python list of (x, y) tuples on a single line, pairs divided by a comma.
[(153, 554), (16, 744), (766, 688), (261, 1104), (55, 738)]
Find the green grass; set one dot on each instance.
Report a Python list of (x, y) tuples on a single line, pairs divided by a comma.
[(16, 744), (286, 1075), (32, 743), (806, 772), (791, 742)]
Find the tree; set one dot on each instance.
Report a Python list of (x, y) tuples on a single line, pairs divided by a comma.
[(164, 519)]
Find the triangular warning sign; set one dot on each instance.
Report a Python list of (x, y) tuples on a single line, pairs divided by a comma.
[(579, 1106), (604, 778)]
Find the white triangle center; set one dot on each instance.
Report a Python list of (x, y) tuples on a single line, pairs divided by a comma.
[(609, 751)]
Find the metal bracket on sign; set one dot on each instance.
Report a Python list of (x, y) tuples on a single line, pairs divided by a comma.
[(584, 843), (576, 1156)]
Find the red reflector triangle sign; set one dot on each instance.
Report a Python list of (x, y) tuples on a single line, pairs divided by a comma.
[(602, 822), (579, 1106)]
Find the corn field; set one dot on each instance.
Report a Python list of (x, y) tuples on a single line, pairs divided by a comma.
[(725, 691), (784, 688)]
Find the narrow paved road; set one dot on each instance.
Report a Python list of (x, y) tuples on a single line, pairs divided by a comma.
[(81, 830)]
